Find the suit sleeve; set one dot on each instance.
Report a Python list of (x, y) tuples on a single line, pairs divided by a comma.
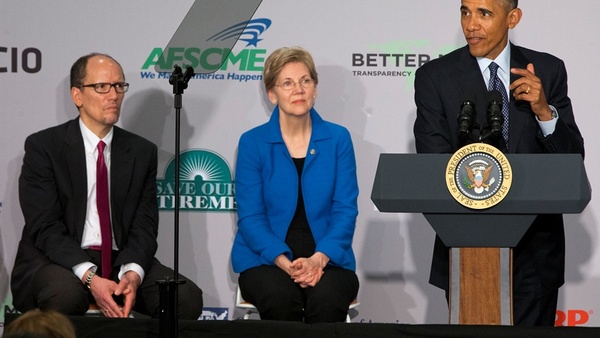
[(140, 213), (42, 202), (432, 128), (566, 137), (337, 242)]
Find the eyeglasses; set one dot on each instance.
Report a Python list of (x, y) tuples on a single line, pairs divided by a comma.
[(104, 87), (289, 84)]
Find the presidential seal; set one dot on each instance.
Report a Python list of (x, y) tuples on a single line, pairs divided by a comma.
[(478, 176)]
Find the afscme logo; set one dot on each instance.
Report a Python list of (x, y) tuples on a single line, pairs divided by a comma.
[(217, 58)]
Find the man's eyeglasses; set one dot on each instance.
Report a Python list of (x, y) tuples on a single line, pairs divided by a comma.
[(104, 87), (289, 84)]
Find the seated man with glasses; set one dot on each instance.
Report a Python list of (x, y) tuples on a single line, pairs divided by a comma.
[(88, 194)]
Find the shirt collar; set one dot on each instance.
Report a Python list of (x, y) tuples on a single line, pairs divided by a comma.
[(90, 139), (502, 60)]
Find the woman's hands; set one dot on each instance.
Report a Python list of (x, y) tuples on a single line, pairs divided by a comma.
[(304, 271)]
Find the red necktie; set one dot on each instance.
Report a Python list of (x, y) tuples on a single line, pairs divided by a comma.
[(103, 211)]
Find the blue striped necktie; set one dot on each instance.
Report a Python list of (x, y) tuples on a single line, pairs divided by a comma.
[(495, 83)]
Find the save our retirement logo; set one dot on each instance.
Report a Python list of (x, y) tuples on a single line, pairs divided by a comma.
[(478, 176), (205, 183)]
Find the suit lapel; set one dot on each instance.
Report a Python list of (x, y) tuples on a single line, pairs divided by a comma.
[(473, 84), (76, 166), (121, 167), (520, 111)]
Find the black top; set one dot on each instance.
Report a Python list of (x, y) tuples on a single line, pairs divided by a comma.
[(299, 236)]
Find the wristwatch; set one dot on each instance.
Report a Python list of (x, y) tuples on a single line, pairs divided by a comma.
[(554, 113), (88, 279)]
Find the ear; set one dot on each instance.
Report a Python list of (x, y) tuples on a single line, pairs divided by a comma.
[(76, 96), (514, 17), (272, 96)]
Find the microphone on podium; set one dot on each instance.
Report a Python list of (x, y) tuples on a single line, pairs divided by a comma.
[(494, 112), (466, 120), (466, 117)]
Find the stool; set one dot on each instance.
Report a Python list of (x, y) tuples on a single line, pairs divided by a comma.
[(249, 309), (240, 303)]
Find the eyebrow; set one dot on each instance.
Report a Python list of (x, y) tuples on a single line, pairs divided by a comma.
[(302, 77), (482, 10)]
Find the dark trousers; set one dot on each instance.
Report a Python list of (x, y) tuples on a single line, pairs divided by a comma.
[(534, 304), (277, 297), (59, 289)]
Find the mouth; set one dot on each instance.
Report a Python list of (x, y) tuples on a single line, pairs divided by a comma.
[(474, 39)]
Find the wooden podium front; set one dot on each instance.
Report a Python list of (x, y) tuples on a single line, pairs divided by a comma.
[(481, 240), (480, 276)]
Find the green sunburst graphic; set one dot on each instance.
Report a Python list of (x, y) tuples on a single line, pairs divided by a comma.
[(207, 167)]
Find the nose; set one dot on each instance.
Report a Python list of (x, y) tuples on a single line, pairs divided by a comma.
[(298, 89), (472, 23)]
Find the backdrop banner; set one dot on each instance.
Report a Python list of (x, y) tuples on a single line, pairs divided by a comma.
[(366, 54)]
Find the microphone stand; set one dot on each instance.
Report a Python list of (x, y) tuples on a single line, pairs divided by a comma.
[(168, 287)]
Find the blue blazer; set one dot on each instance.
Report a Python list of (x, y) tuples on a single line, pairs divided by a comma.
[(266, 182)]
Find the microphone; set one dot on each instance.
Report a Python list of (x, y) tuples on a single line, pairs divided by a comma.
[(175, 74), (466, 117), (466, 121), (494, 112), (189, 72)]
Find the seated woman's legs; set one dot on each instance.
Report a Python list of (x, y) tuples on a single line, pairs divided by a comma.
[(273, 292), (328, 301), (277, 297)]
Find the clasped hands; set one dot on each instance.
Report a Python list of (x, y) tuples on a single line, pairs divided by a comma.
[(304, 271), (103, 290)]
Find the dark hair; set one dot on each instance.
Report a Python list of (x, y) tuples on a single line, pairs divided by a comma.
[(78, 70), (511, 4)]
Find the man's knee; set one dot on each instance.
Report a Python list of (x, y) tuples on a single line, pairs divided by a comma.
[(58, 289), (70, 301), (190, 301)]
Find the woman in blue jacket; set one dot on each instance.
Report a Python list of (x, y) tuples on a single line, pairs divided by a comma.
[(296, 192)]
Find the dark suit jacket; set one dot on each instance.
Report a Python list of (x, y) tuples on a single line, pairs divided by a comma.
[(442, 85), (52, 193)]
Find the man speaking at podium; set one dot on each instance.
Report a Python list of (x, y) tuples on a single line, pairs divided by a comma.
[(537, 118)]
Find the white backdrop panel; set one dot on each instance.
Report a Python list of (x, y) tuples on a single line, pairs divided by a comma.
[(393, 250)]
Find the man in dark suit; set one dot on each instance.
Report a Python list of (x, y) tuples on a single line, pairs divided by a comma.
[(540, 120), (59, 264)]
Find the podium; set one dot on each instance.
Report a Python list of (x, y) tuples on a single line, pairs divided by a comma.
[(480, 241)]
